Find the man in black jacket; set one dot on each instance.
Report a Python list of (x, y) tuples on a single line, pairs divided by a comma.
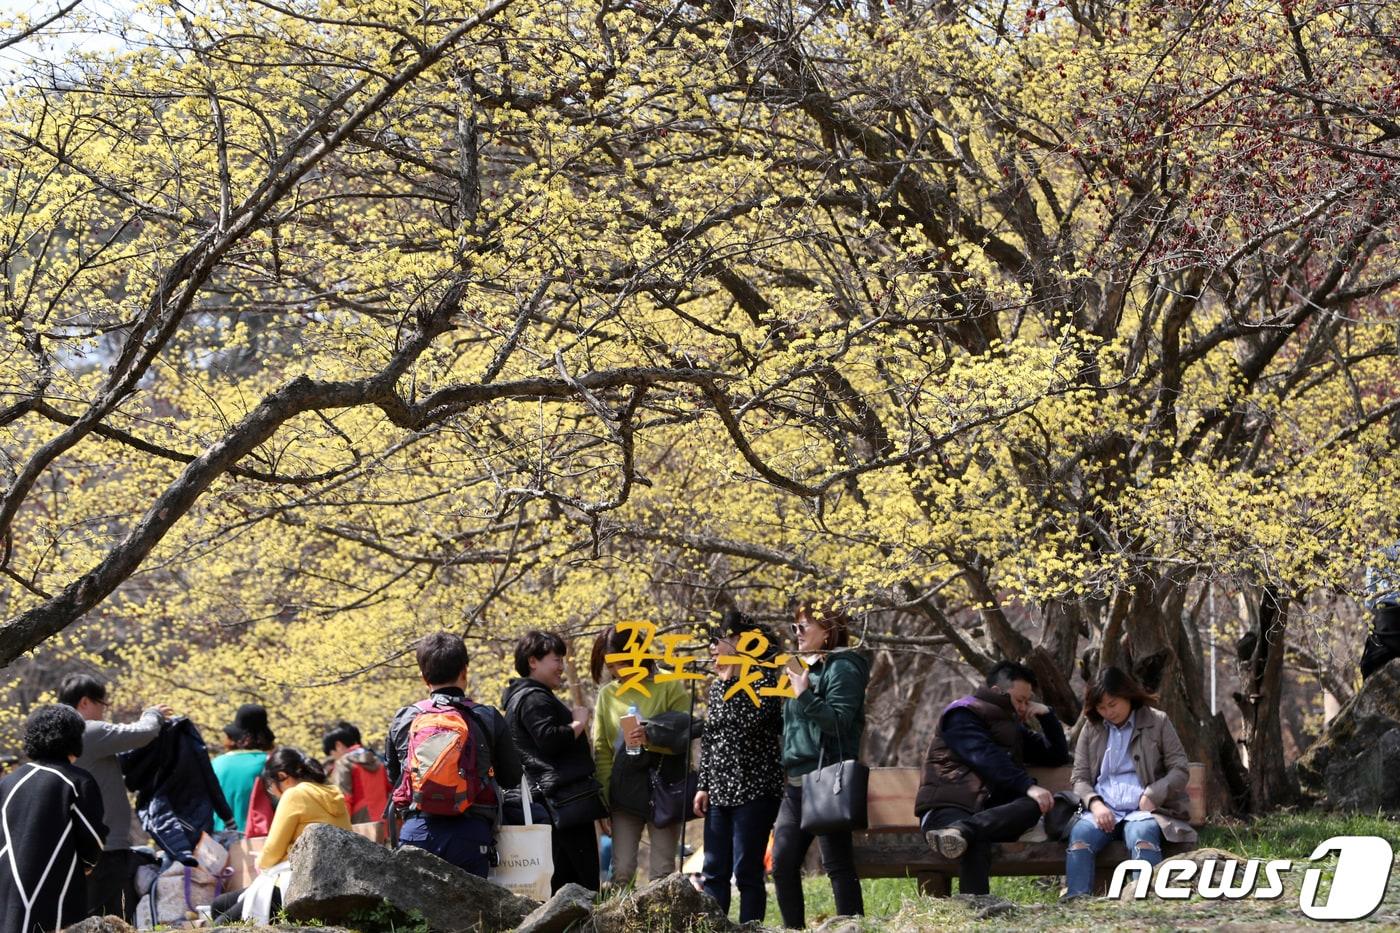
[(466, 840), (557, 756), (975, 789)]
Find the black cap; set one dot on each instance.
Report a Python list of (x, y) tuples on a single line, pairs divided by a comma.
[(735, 623), (250, 720)]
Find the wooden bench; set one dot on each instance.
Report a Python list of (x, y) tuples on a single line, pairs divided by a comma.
[(894, 847)]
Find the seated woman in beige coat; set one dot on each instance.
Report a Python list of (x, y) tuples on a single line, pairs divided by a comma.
[(1130, 774)]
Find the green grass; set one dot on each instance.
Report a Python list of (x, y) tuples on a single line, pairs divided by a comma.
[(1293, 834), (895, 905)]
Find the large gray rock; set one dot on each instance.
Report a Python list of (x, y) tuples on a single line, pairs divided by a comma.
[(1208, 854), (335, 873), (570, 904), (670, 904), (841, 925), (1353, 765)]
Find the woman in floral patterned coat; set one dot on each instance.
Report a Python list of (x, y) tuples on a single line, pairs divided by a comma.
[(741, 767)]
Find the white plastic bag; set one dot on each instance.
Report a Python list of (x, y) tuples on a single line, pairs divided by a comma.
[(526, 854)]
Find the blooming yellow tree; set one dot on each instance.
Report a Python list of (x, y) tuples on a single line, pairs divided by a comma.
[(1017, 327)]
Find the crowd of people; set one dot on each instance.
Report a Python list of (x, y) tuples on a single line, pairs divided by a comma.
[(452, 766)]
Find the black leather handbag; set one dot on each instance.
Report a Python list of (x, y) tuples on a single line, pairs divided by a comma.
[(577, 804), (1060, 819), (671, 802), (834, 796)]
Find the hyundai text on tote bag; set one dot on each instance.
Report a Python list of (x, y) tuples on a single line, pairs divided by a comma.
[(525, 854)]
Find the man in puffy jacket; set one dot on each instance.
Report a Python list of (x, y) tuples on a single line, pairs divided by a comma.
[(111, 886), (557, 755), (975, 790), (358, 773)]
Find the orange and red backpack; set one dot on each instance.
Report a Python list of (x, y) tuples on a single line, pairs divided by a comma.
[(447, 770)]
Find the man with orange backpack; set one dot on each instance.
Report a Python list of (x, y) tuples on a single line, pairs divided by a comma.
[(448, 759)]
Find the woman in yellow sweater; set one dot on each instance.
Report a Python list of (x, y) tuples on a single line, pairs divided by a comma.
[(304, 798)]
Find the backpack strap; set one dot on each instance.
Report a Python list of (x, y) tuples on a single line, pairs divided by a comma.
[(485, 749), (512, 712), (480, 717)]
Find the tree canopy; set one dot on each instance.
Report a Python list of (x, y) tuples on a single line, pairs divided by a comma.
[(1020, 328)]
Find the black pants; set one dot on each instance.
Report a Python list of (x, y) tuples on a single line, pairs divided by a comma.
[(790, 845), (111, 888), (1002, 823), (1383, 644), (575, 857), (226, 908)]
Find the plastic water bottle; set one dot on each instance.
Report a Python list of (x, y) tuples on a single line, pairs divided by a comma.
[(634, 749)]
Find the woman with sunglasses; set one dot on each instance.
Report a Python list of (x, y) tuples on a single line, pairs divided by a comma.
[(824, 721), (304, 799), (741, 767)]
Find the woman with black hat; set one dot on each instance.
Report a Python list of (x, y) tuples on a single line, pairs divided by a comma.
[(741, 763), (247, 740)]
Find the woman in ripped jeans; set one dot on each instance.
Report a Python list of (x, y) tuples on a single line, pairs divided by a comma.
[(1130, 774)]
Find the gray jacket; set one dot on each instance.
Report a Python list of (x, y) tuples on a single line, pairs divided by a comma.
[(1160, 762), (102, 742)]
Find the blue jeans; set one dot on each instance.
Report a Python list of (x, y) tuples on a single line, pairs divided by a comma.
[(735, 841), (464, 841), (1142, 837)]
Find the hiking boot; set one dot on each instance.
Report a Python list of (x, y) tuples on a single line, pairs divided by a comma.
[(949, 843)]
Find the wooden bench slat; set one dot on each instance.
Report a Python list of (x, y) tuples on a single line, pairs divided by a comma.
[(896, 855)]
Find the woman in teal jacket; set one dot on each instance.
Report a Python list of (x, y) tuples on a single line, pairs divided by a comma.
[(247, 740), (828, 713)]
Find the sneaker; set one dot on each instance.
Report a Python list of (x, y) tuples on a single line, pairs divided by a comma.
[(949, 843)]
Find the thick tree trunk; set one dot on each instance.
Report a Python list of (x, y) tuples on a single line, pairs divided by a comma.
[(897, 686), (1269, 781), (1156, 650), (1053, 659), (1055, 690)]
